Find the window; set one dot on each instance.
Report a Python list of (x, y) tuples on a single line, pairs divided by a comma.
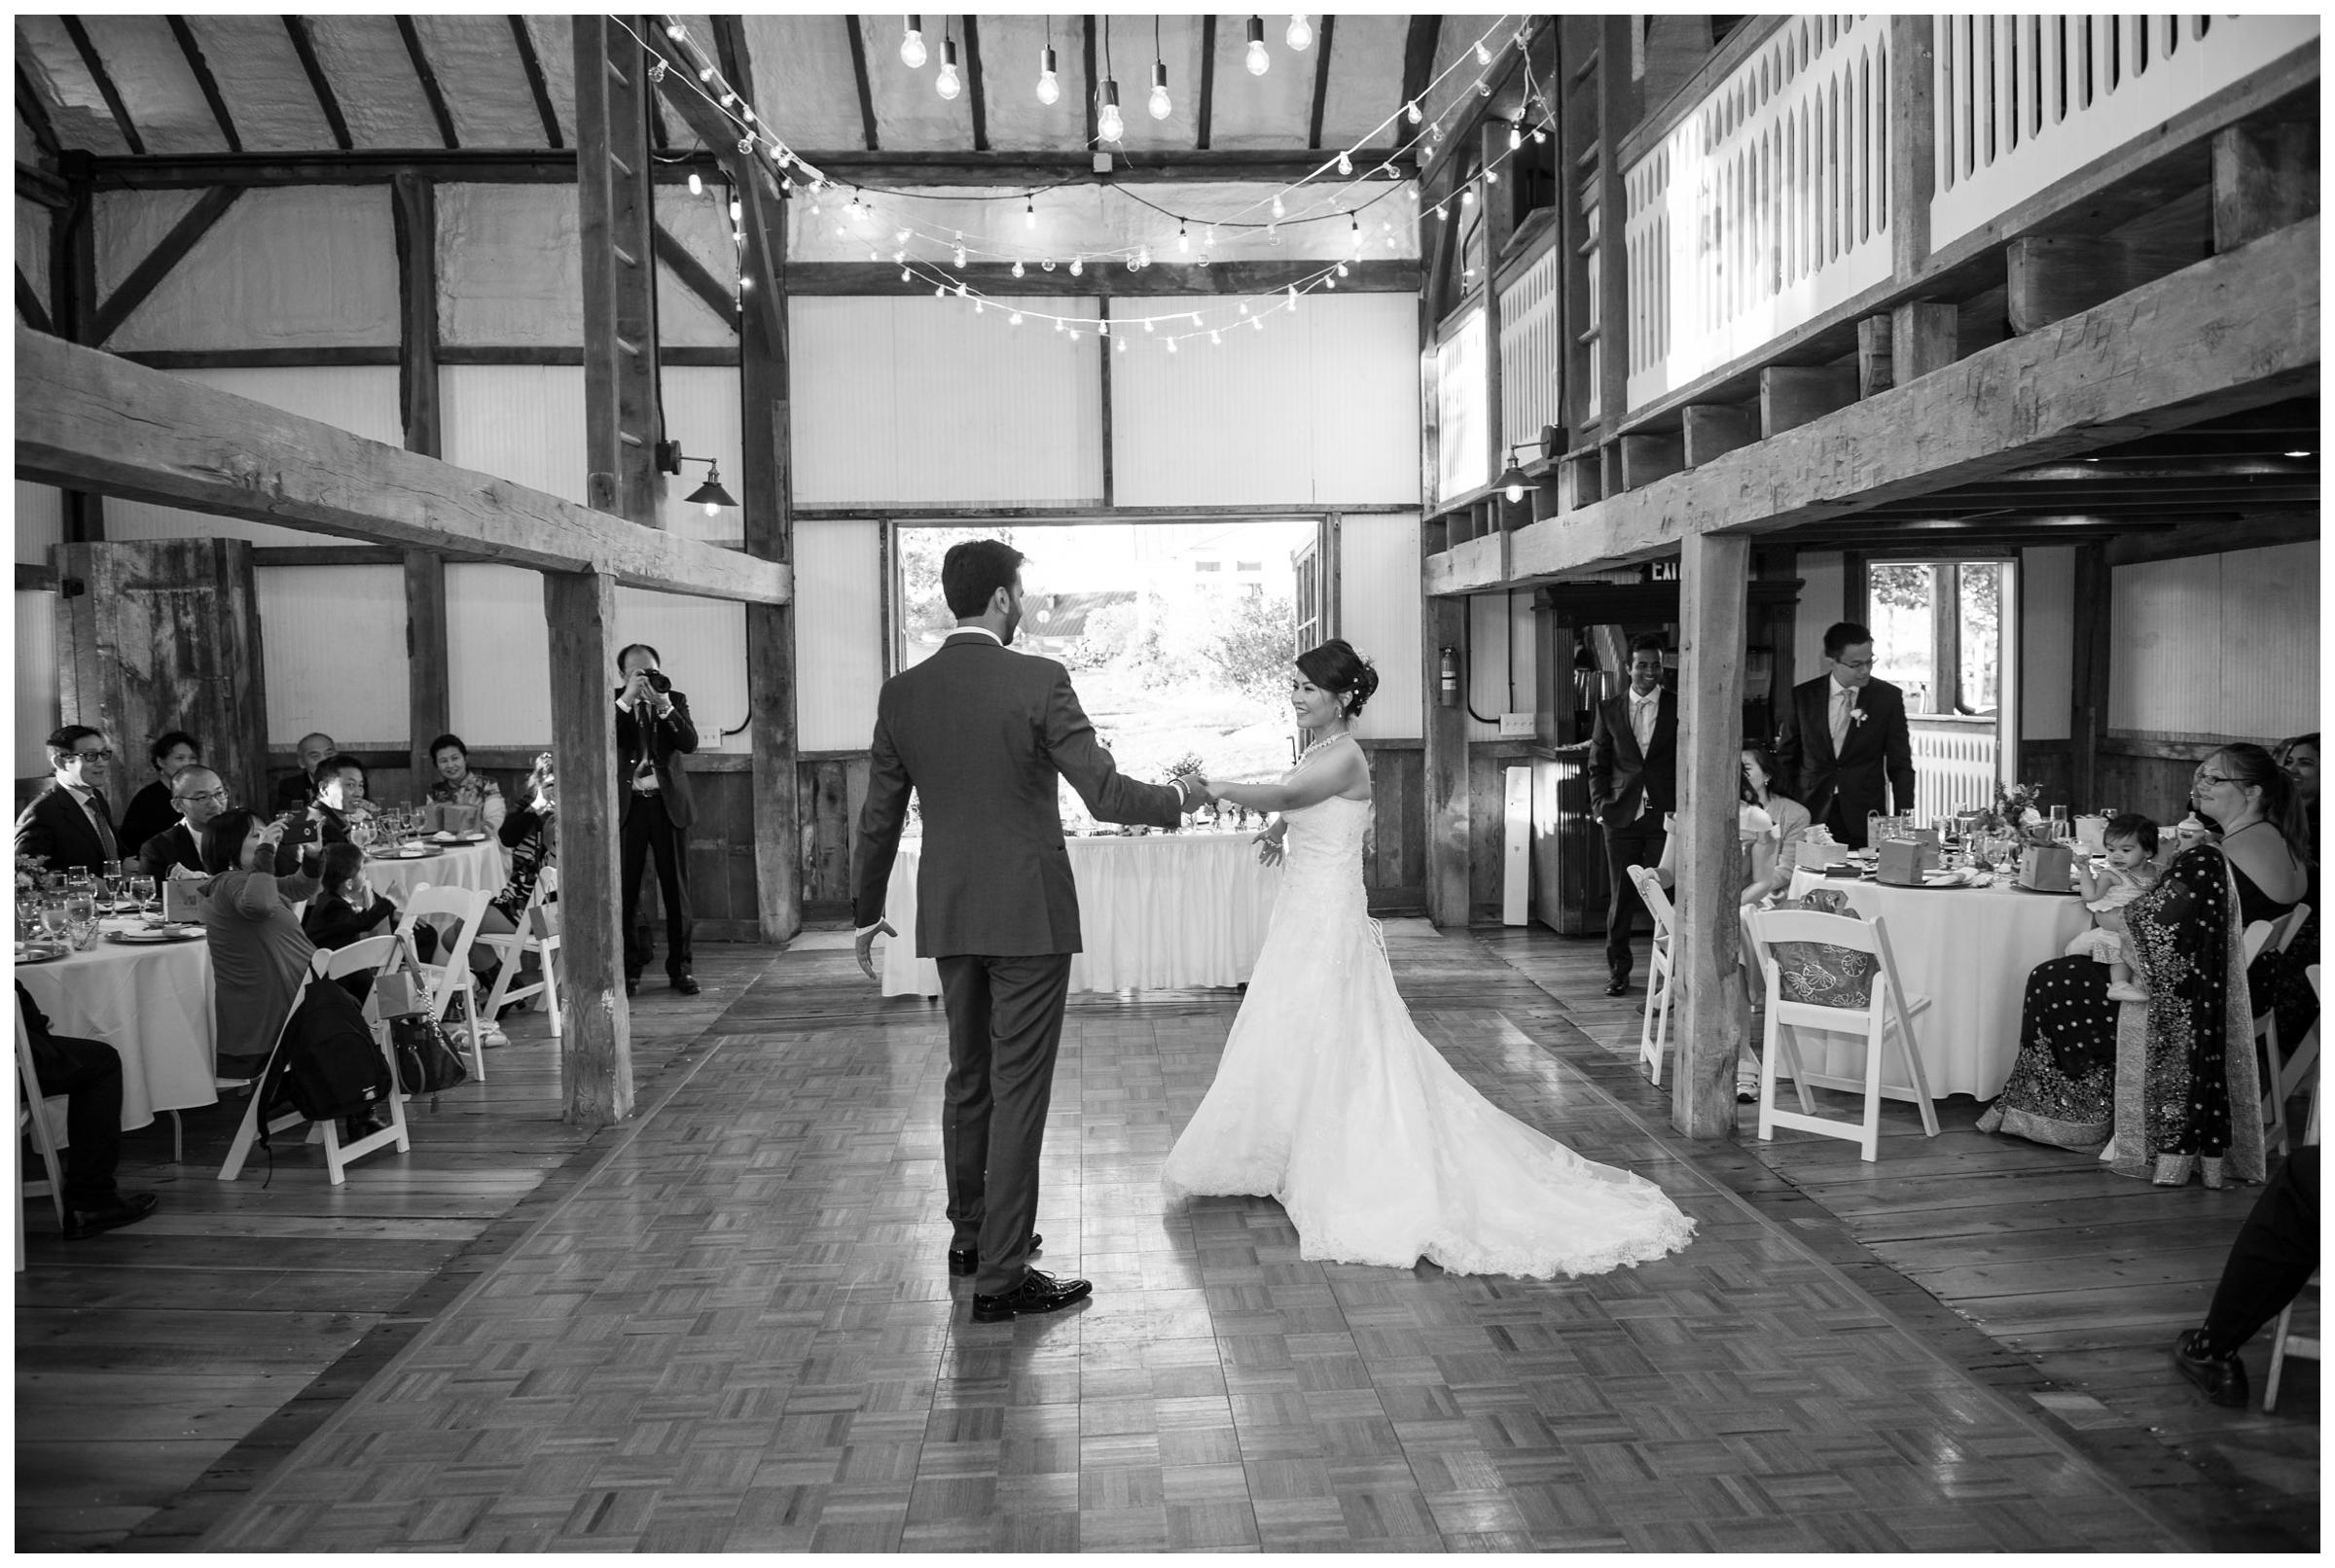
[(1208, 566), (1937, 632), (1248, 566)]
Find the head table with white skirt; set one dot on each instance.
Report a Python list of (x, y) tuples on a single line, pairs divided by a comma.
[(1155, 911), (1968, 949)]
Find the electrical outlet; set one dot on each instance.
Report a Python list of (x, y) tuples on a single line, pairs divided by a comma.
[(1516, 727)]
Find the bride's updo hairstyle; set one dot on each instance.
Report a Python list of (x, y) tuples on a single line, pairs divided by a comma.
[(1335, 668)]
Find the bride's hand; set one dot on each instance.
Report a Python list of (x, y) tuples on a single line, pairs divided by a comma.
[(1268, 846)]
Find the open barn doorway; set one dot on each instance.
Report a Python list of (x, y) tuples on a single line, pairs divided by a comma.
[(1941, 633)]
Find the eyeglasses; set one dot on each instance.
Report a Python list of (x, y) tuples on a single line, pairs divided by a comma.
[(201, 795), (2203, 777), (101, 755)]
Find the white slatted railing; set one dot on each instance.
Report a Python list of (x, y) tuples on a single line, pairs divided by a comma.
[(1532, 353), (2026, 100), (1954, 768), (1764, 207)]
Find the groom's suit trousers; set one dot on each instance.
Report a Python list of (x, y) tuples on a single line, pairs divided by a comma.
[(1005, 1024)]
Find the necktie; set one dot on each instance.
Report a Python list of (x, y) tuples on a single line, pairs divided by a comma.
[(105, 829), (1840, 721)]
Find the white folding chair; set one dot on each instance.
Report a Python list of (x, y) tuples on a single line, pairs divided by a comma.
[(2280, 1078), (374, 954), (1654, 1032), (538, 933), (449, 975), (33, 1111), (2283, 1340), (1888, 1014)]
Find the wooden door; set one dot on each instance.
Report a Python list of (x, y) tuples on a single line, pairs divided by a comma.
[(164, 634)]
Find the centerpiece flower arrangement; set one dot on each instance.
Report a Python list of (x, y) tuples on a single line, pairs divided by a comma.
[(1188, 764), (2016, 809)]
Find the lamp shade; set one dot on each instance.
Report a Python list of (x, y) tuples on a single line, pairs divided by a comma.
[(1514, 483), (710, 493)]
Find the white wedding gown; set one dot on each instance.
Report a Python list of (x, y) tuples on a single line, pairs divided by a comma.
[(1330, 1100)]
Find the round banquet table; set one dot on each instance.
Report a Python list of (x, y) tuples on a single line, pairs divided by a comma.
[(1969, 951), (472, 866), (1137, 899), (152, 1004)]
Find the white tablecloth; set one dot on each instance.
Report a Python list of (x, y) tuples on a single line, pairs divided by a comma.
[(152, 1004), (1969, 951), (1137, 899), (478, 865)]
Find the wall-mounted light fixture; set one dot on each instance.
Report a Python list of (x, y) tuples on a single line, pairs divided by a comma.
[(711, 495)]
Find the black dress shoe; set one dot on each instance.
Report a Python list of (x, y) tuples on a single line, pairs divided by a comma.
[(1619, 985), (967, 1260), (126, 1210), (686, 984), (2222, 1380), (1037, 1293)]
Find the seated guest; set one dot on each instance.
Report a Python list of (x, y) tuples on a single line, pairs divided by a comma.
[(348, 910), (528, 833), (340, 803), (295, 793), (69, 823), (2180, 1095), (150, 810), (2275, 1256), (90, 1071), (1790, 818), (458, 785), (198, 795), (258, 950)]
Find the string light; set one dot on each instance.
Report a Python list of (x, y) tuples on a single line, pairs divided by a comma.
[(1108, 126), (1346, 163), (1030, 213), (676, 32), (1050, 90), (1160, 106), (1259, 62), (1300, 34), (1515, 134), (1483, 54), (912, 44), (696, 187), (1411, 111), (1017, 270), (946, 84), (657, 70), (737, 211), (1078, 265)]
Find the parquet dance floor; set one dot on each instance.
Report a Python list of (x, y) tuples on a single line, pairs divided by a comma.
[(738, 1332)]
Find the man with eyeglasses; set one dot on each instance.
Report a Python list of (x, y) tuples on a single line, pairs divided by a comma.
[(1846, 749), (198, 795), (69, 821)]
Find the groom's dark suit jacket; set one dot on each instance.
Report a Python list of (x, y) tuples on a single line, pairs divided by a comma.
[(982, 735), (1875, 762)]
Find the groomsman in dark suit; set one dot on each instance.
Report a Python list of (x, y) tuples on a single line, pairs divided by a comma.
[(1845, 750), (69, 821), (1633, 780)]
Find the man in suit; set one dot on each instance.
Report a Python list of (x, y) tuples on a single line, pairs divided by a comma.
[(653, 732), (1844, 749), (295, 793), (89, 1073), (199, 795), (340, 782), (982, 735), (1633, 780), (69, 821)]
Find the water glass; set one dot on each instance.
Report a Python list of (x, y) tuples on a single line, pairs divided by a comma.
[(141, 888), (53, 918), (80, 919)]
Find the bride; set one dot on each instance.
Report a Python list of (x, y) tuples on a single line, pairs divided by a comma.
[(1330, 1100)]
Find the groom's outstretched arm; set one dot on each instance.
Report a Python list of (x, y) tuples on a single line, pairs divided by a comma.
[(1082, 758), (880, 818)]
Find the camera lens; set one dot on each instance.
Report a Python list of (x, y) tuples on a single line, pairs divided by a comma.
[(658, 682)]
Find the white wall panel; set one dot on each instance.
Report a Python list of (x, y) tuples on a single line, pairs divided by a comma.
[(839, 632), (39, 708), (2220, 645), (1502, 675), (312, 265), (498, 655), (2047, 640), (1320, 408), (1821, 573), (39, 521), (923, 400), (1379, 565), (511, 271), (334, 647), (702, 413), (361, 399), (702, 646)]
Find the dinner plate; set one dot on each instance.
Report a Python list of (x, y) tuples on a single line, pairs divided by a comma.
[(2048, 892), (40, 952), (152, 936)]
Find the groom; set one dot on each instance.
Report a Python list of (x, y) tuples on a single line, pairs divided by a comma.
[(982, 735)]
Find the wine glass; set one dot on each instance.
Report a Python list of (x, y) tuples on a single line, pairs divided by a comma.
[(142, 889), (81, 916), (53, 918), (114, 875)]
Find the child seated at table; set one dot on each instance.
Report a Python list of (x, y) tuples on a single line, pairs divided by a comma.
[(348, 910), (2131, 846)]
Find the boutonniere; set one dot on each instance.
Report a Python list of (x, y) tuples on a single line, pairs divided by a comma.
[(1856, 715)]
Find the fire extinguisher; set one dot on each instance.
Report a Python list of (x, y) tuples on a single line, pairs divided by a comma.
[(1447, 680)]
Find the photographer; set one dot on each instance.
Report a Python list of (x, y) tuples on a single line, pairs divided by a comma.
[(653, 732)]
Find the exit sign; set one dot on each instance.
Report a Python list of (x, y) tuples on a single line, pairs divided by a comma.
[(1658, 571)]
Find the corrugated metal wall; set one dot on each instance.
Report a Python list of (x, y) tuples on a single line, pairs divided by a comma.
[(2046, 641), (2218, 644), (1378, 564), (509, 272), (922, 401), (334, 645), (1318, 409), (839, 632)]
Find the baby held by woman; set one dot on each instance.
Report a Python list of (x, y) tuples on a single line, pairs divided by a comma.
[(2130, 840)]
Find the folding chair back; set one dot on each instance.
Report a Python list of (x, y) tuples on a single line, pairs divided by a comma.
[(2280, 1078), (538, 933), (33, 1111), (374, 953), (1654, 1030), (449, 975), (1876, 1006)]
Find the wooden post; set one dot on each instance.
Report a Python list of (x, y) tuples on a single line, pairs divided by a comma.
[(2050, 277), (73, 278), (1617, 112), (1714, 429), (2088, 676), (2263, 179), (1792, 395), (1945, 637), (616, 241), (1924, 337), (1912, 142), (1713, 589), (1876, 371), (429, 699), (595, 1063), (1445, 626)]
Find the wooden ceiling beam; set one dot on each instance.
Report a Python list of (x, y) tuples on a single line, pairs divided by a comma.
[(861, 81), (1204, 115), (303, 45), (200, 65), (35, 115), (1321, 81), (428, 77), (974, 101), (93, 421), (1419, 67), (87, 50), (1093, 88), (539, 86)]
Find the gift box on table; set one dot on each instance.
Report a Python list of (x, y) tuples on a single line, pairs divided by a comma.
[(2047, 868), (182, 900), (446, 817), (1816, 855), (1904, 860)]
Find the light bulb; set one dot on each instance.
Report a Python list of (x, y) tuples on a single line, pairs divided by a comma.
[(1030, 214), (912, 44), (1467, 196), (1183, 241), (1048, 263), (1539, 135), (904, 277), (1277, 210), (729, 99), (1159, 105), (947, 85), (675, 31), (696, 187), (1293, 296), (1050, 90), (737, 211), (1122, 345), (1078, 265), (1483, 54), (712, 509), (1014, 320), (1346, 163), (961, 257), (1411, 111), (1300, 33), (1150, 325), (1516, 137), (1017, 270), (1103, 329), (1259, 62), (746, 280), (745, 147), (1108, 126), (1215, 337), (657, 70), (1515, 493), (1492, 176), (1257, 322), (1203, 258)]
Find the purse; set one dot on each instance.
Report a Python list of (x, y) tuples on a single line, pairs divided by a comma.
[(426, 1059)]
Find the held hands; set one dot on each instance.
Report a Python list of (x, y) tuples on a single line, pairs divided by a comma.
[(1195, 791), (866, 946)]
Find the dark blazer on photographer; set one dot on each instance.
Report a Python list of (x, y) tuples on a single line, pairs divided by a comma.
[(664, 740)]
